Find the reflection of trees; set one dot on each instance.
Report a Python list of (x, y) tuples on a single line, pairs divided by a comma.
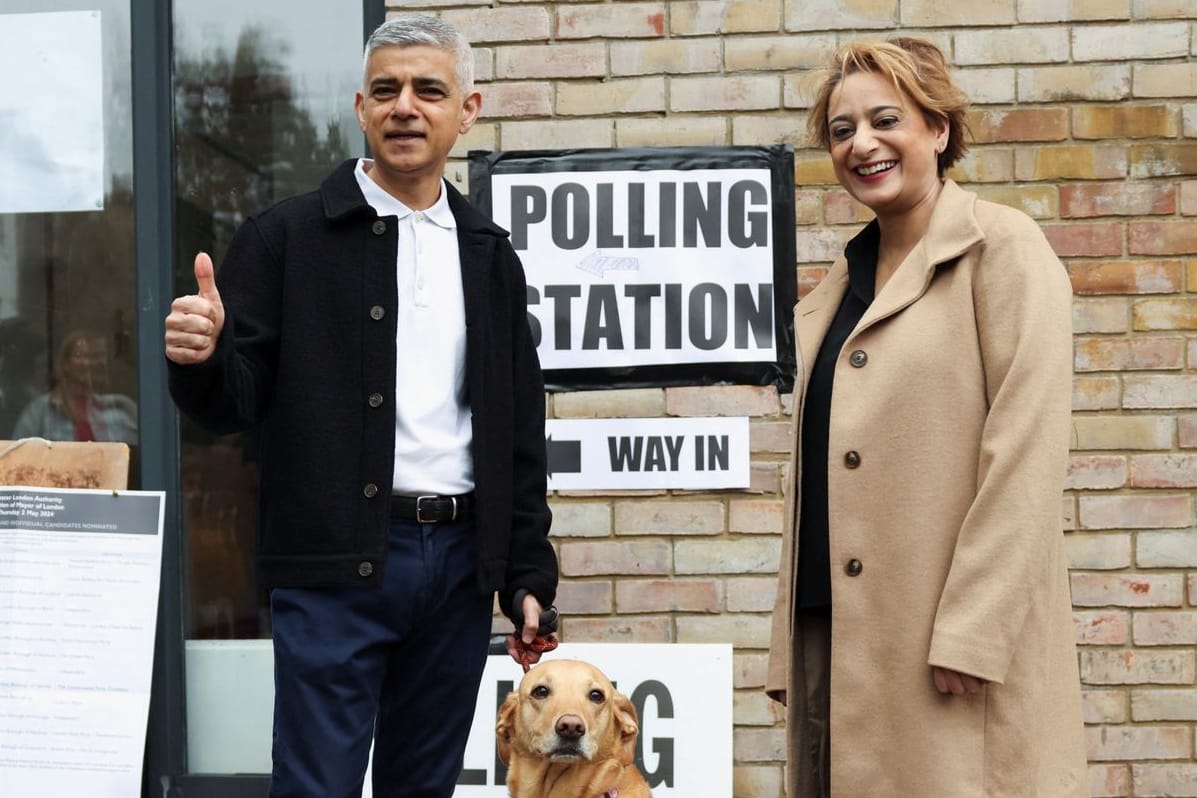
[(242, 143)]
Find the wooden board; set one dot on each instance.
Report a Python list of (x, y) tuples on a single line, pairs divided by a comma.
[(64, 464)]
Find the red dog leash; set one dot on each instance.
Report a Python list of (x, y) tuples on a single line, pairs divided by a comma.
[(526, 653)]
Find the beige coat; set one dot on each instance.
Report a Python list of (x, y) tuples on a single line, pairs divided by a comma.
[(960, 418)]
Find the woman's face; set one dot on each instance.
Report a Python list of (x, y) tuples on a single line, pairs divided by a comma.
[(882, 148)]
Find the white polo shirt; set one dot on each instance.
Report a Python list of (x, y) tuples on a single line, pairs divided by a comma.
[(432, 418)]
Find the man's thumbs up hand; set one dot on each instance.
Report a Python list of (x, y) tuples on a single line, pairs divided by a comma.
[(195, 320)]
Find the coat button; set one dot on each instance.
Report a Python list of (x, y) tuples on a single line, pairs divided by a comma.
[(375, 399), (378, 228), (858, 358), (377, 312), (853, 567), (370, 491), (365, 569), (852, 459)]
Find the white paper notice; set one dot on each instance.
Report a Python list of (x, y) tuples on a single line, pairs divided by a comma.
[(79, 578), (51, 112)]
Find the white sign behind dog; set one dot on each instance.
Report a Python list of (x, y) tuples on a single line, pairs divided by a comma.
[(683, 697)]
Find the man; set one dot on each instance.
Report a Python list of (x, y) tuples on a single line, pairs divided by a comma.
[(376, 330)]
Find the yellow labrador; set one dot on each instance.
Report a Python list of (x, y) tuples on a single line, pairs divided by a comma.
[(567, 733)]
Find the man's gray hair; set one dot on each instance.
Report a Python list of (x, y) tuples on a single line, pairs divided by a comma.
[(424, 30)]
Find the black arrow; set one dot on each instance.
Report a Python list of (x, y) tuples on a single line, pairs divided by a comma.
[(564, 457)]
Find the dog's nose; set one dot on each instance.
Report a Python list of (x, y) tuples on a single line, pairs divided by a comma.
[(570, 727)]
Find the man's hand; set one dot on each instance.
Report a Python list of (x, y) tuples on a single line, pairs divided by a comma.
[(954, 682), (195, 320), (531, 609)]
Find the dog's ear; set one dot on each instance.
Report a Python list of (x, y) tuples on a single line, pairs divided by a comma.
[(505, 726), (628, 725)]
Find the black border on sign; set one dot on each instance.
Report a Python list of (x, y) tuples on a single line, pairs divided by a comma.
[(778, 158)]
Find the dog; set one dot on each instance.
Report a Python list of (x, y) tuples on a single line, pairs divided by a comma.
[(568, 733)]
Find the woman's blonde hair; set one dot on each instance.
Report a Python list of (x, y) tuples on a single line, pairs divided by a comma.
[(918, 68)]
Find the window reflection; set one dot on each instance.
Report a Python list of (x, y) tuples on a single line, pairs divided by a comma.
[(68, 368), (263, 111)]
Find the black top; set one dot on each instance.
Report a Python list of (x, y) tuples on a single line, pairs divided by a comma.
[(814, 558)]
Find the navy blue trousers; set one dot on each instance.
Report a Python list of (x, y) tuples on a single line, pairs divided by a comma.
[(399, 666)]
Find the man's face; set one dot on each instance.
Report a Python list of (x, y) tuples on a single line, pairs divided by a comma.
[(412, 112)]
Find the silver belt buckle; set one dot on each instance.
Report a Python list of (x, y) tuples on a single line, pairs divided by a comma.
[(419, 514)]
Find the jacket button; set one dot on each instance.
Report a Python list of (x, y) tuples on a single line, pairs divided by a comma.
[(375, 399), (852, 459), (858, 358), (365, 569), (377, 312), (370, 491), (853, 567), (378, 228)]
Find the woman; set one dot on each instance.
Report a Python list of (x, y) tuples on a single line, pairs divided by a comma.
[(922, 636), (78, 408)]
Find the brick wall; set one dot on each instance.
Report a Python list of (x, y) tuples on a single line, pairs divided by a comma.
[(1085, 117)]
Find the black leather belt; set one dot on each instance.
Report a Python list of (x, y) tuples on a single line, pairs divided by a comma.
[(433, 509)]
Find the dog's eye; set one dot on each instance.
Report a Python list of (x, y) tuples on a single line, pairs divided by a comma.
[(597, 696), (540, 691)]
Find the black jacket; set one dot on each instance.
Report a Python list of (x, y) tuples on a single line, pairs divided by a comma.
[(310, 297)]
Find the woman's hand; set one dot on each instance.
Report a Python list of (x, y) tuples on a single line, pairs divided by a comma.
[(954, 682)]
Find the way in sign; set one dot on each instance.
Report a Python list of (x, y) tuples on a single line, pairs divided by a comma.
[(665, 452)]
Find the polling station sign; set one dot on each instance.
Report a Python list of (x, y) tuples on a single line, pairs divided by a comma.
[(655, 266)]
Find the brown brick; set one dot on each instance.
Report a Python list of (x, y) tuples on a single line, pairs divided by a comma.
[(820, 15), (795, 51), (1165, 471), (1124, 43), (1092, 239), (611, 20), (1188, 204), (1036, 201), (1119, 590), (697, 131), (1173, 628), (757, 781), (711, 17), (935, 13), (813, 169), (551, 61), (1164, 314), (755, 516), (1122, 432), (584, 598), (1096, 472), (1125, 277), (1129, 354), (1143, 391), (1187, 431), (808, 278), (1018, 45), (1165, 80), (667, 595), (1071, 162), (581, 519), (807, 204), (988, 85), (1169, 548), (741, 630), (1018, 124), (557, 134), (669, 517), (1100, 627), (616, 403), (1108, 781), (617, 96), (1125, 122), (751, 555), (665, 56), (1101, 551), (722, 400), (1174, 779), (1138, 511), (617, 630), (823, 244), (1163, 238), (615, 557), (1162, 159), (1071, 83), (1104, 706), (759, 745), (1096, 393), (776, 128), (485, 25), (1072, 11), (1101, 315), (1157, 742), (508, 100), (985, 165), (839, 207), (751, 594), (1156, 703), (1117, 199), (731, 93), (1163, 9)]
